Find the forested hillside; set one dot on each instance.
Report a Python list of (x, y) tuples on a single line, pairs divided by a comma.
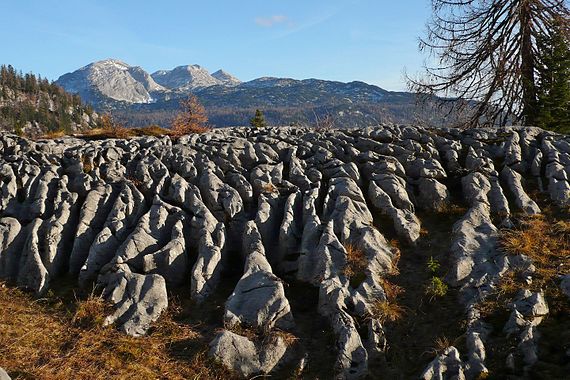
[(33, 106)]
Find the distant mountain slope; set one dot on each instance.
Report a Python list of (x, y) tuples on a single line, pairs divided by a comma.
[(226, 78), (111, 79), (230, 102), (190, 77), (33, 106)]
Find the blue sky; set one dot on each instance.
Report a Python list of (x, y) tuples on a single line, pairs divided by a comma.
[(345, 40)]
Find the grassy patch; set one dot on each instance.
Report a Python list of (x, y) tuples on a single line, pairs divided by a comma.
[(546, 241), (86, 163), (262, 336), (53, 135), (386, 311), (119, 132), (66, 340), (356, 264)]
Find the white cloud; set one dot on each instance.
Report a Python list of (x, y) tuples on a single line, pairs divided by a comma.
[(268, 22)]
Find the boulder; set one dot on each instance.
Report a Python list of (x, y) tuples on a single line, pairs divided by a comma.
[(138, 299), (244, 356)]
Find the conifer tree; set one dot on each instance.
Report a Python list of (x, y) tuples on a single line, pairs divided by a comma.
[(258, 121), (554, 87)]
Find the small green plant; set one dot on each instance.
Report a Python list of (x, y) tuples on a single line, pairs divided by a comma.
[(433, 265), (258, 121), (436, 288)]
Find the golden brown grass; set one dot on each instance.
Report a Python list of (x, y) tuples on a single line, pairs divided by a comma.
[(151, 130), (269, 188), (90, 313), (53, 341), (386, 311), (441, 344), (87, 166), (396, 253), (52, 135), (546, 241), (135, 181), (124, 133), (261, 335), (391, 290), (356, 261), (288, 338)]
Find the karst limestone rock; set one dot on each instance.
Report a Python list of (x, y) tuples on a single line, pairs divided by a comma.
[(261, 209)]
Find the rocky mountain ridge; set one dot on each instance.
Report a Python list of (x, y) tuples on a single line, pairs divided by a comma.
[(267, 211), (115, 80), (111, 86)]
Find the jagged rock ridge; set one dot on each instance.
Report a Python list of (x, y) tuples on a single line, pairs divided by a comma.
[(111, 79), (145, 215)]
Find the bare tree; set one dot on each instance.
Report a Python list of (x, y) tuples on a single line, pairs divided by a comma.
[(325, 122), (485, 53)]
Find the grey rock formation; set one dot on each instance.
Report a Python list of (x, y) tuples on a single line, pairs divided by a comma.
[(111, 78), (4, 375), (258, 300), (447, 365), (138, 299), (246, 357), (259, 210)]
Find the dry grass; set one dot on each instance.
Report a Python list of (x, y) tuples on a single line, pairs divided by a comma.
[(250, 333), (119, 132), (391, 290), (356, 261), (193, 129), (53, 135), (386, 311), (86, 163), (151, 130), (356, 264), (66, 340), (441, 344), (453, 209), (135, 181), (288, 338), (262, 336), (269, 188), (90, 313), (546, 241), (396, 253), (108, 133)]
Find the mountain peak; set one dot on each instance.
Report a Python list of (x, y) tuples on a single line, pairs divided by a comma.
[(187, 77), (226, 78), (113, 79)]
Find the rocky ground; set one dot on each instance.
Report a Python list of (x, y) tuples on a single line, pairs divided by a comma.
[(316, 245)]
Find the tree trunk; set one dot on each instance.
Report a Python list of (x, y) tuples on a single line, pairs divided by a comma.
[(527, 64)]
